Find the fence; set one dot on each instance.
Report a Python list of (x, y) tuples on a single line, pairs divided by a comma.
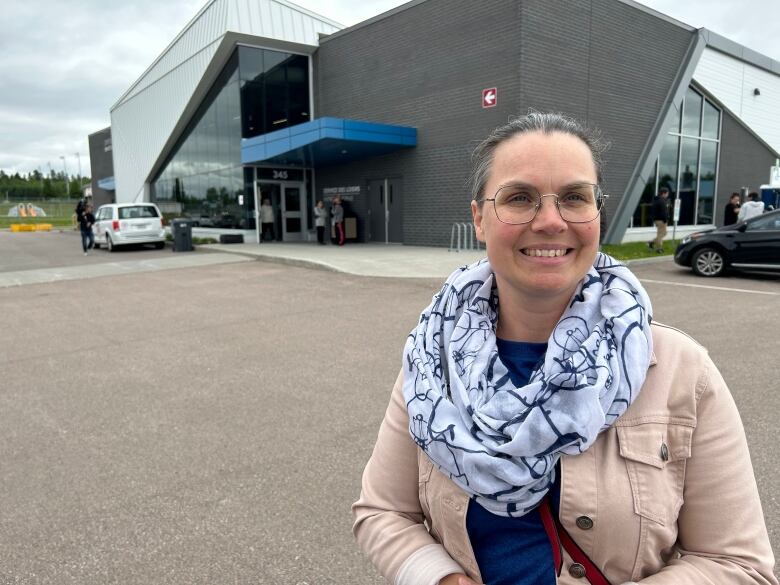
[(59, 212), (462, 237)]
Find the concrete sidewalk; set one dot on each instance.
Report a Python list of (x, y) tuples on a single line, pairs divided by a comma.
[(390, 260)]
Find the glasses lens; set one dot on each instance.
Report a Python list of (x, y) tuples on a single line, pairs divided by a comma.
[(516, 204), (579, 203)]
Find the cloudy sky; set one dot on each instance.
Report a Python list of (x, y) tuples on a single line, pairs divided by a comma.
[(63, 64)]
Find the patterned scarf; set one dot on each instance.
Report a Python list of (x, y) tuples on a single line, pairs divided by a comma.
[(498, 442)]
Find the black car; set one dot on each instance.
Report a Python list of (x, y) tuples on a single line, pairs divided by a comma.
[(747, 245)]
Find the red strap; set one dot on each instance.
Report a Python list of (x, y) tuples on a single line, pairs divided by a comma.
[(559, 536), (548, 520)]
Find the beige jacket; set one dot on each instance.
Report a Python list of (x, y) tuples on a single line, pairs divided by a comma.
[(664, 497)]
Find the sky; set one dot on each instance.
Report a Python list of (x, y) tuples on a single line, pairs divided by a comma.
[(64, 64)]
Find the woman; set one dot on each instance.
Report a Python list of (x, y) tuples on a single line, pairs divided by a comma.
[(320, 215), (542, 430)]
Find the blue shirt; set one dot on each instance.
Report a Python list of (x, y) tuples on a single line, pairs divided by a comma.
[(513, 551)]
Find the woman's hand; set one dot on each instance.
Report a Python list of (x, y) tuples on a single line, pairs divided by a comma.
[(457, 579)]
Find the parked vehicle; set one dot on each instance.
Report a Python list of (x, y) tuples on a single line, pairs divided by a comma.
[(120, 224), (747, 245)]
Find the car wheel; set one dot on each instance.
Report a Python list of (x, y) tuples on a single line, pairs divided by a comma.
[(109, 243), (708, 262)]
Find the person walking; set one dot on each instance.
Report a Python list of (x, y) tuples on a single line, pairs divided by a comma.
[(86, 221), (320, 215), (338, 219), (660, 214), (544, 427), (731, 210)]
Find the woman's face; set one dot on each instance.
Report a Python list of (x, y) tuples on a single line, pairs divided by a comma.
[(548, 162)]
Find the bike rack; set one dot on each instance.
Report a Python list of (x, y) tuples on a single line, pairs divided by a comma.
[(462, 237)]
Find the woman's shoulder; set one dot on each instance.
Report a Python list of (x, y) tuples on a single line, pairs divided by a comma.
[(678, 373)]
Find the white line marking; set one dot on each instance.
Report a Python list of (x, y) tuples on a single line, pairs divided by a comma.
[(756, 292)]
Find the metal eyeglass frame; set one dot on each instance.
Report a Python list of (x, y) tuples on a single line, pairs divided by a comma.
[(600, 198)]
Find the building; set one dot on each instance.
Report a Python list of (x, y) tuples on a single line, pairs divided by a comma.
[(102, 165), (265, 100)]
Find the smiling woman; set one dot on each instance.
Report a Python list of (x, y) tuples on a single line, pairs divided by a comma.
[(542, 420)]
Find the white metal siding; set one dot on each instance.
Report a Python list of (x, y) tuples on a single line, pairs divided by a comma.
[(732, 82), (144, 118)]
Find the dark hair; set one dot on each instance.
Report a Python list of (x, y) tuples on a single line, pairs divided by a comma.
[(663, 190), (533, 121), (753, 196)]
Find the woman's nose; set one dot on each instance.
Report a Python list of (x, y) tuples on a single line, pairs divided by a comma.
[(548, 218)]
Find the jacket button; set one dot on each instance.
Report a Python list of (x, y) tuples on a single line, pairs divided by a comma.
[(584, 523), (577, 571), (664, 452)]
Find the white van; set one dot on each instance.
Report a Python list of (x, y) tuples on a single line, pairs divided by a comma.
[(119, 224)]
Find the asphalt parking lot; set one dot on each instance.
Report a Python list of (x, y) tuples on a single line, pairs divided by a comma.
[(209, 424)]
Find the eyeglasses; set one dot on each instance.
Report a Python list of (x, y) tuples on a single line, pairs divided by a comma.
[(519, 204)]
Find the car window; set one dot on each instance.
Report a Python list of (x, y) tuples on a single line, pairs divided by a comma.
[(101, 214), (765, 223), (137, 211)]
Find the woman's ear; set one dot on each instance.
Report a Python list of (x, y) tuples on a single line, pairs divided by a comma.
[(476, 214)]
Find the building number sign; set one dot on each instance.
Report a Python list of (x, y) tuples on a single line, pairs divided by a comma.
[(280, 175)]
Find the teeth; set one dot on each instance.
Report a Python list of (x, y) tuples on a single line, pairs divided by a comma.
[(544, 253)]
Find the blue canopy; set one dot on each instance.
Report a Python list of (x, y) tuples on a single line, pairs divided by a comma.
[(326, 141)]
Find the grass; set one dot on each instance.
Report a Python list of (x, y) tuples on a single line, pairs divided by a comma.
[(636, 250)]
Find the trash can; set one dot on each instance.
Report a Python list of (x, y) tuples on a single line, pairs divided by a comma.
[(181, 229)]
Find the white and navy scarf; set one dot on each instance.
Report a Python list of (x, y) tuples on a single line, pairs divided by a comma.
[(498, 442)]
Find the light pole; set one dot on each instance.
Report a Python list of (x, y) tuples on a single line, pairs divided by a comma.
[(78, 158), (65, 171)]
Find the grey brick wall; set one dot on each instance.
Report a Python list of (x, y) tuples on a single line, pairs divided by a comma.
[(603, 61), (744, 162)]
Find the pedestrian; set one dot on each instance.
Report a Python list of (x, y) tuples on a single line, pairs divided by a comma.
[(266, 221), (337, 219), (320, 215), (660, 215), (86, 221), (731, 210), (751, 208), (78, 211), (542, 419)]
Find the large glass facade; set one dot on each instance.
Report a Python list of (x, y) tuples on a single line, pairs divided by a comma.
[(258, 91), (687, 164)]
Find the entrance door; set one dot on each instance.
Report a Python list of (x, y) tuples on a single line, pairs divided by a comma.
[(384, 209), (288, 201), (376, 210), (293, 212)]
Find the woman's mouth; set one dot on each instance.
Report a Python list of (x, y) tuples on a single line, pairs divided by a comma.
[(545, 252)]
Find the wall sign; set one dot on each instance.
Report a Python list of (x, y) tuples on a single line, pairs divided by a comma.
[(489, 97), (280, 174)]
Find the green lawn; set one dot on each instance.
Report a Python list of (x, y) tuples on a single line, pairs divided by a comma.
[(635, 250)]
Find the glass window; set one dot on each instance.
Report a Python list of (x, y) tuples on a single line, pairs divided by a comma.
[(667, 164), (770, 223), (689, 165), (692, 113), (674, 126), (711, 121), (707, 168), (137, 211), (642, 212)]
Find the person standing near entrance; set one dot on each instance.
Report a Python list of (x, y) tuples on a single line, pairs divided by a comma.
[(338, 219), (732, 209), (660, 218), (320, 214), (266, 220), (86, 221)]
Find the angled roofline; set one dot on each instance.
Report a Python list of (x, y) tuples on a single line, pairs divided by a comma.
[(618, 224), (741, 52), (189, 25)]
